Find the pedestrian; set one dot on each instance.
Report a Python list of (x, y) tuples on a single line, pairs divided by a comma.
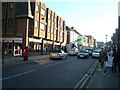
[(114, 67), (118, 61), (102, 57), (109, 63)]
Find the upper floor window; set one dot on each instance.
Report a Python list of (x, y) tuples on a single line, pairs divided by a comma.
[(52, 18), (61, 23), (48, 29), (60, 33), (52, 30), (11, 5), (10, 22), (42, 11), (42, 26), (37, 8), (2, 23), (49, 16), (36, 24), (3, 6), (55, 20)]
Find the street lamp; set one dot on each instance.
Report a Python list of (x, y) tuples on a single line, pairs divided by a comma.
[(106, 40)]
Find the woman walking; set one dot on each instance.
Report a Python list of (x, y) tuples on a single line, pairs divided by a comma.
[(109, 64)]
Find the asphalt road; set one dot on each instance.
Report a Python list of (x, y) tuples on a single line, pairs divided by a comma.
[(56, 74)]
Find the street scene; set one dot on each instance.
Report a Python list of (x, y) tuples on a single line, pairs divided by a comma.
[(60, 45)]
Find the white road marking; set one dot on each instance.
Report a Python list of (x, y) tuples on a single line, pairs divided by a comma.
[(17, 75)]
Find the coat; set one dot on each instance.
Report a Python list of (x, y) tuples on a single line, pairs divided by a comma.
[(109, 62)]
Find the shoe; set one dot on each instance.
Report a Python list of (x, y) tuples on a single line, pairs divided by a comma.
[(108, 76), (99, 69), (104, 74)]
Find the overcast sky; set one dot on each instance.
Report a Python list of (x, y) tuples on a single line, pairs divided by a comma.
[(90, 17)]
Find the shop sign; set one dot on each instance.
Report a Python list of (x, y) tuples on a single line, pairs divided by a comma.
[(56, 43), (35, 40)]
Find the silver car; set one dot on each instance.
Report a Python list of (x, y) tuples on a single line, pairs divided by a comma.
[(96, 53), (73, 52), (83, 54), (58, 54)]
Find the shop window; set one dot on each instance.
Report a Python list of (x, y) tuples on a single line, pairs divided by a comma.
[(10, 22)]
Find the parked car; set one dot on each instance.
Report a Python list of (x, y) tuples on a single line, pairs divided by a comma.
[(90, 50), (73, 52), (58, 54), (96, 53), (83, 54)]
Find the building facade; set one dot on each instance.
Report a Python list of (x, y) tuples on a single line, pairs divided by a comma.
[(90, 41), (32, 25), (72, 38)]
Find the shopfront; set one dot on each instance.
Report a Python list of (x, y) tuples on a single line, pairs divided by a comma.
[(48, 46), (57, 45), (12, 46), (35, 45)]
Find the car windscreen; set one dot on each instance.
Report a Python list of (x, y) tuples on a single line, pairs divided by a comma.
[(83, 52), (72, 50), (96, 51), (89, 49)]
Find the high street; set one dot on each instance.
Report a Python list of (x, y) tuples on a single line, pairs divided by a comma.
[(55, 74)]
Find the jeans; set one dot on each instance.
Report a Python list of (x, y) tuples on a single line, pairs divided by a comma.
[(108, 70)]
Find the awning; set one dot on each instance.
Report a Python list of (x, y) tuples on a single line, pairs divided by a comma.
[(17, 40), (35, 40)]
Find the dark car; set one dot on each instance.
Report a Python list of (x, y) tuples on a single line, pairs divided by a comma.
[(83, 54), (90, 50)]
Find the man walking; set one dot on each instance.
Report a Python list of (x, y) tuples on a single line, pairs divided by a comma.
[(101, 58)]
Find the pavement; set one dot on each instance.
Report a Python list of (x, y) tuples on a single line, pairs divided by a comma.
[(102, 81), (12, 60)]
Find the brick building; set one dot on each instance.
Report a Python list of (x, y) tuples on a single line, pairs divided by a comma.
[(32, 25)]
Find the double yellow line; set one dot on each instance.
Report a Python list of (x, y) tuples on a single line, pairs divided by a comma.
[(82, 82)]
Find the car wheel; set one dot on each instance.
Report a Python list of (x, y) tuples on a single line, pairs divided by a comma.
[(88, 57), (62, 58), (66, 57), (78, 57)]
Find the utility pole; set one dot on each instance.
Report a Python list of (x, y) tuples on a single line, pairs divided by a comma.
[(106, 40)]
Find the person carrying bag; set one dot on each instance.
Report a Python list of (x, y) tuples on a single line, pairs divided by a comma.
[(109, 64)]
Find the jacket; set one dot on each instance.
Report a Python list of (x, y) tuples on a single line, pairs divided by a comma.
[(109, 62)]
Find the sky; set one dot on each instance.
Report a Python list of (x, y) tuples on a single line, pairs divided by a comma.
[(89, 17)]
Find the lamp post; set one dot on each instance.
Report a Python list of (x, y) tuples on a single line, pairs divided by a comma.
[(106, 40)]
